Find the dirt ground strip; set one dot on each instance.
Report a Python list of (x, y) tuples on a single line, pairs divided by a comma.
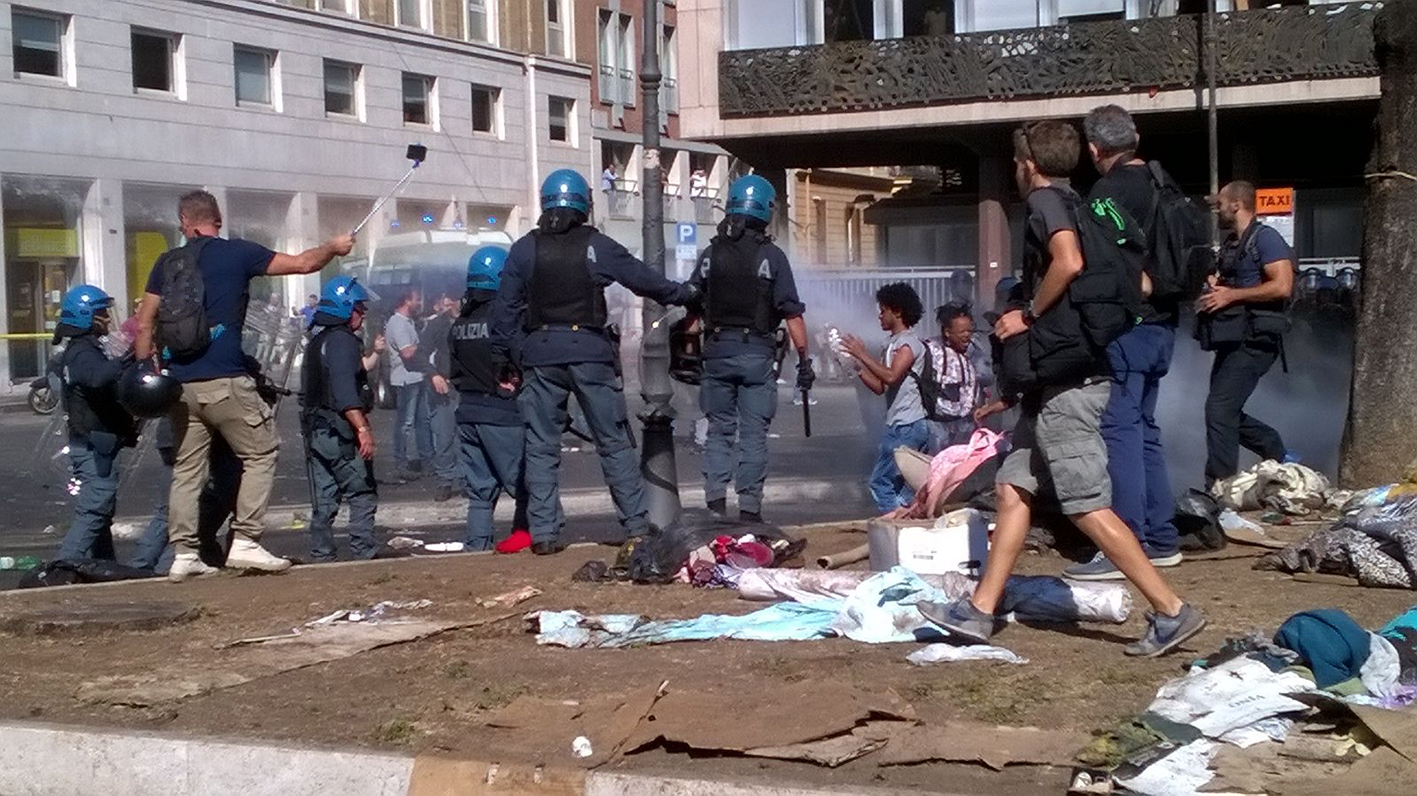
[(436, 694)]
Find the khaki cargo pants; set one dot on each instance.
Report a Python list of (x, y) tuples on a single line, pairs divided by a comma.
[(231, 408)]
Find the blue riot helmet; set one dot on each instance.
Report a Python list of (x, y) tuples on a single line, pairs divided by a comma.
[(752, 196), (484, 268), (565, 188), (339, 295), (81, 304)]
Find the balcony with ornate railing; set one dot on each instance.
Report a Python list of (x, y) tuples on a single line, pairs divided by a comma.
[(1089, 58)]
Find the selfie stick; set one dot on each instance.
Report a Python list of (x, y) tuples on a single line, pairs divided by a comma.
[(417, 153)]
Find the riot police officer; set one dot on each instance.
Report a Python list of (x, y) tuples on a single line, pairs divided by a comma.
[(748, 290), (99, 426), (335, 404), (550, 321), (489, 422)]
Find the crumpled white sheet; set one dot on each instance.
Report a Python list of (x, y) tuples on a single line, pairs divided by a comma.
[(949, 653), (1026, 598), (1381, 671), (1236, 694), (1181, 773), (1290, 488)]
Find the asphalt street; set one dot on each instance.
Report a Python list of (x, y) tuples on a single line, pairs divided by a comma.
[(810, 480)]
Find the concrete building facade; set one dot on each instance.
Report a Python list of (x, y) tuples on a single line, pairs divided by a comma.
[(295, 115), (831, 84)]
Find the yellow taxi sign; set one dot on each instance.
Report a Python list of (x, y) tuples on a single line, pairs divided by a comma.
[(1274, 201)]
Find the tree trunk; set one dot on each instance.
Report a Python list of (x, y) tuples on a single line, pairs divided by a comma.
[(1380, 440)]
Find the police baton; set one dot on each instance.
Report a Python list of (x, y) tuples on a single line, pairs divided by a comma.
[(806, 414)]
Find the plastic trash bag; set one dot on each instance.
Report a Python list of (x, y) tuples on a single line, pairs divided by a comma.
[(1197, 522), (657, 557), (67, 573)]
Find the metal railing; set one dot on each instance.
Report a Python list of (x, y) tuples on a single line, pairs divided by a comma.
[(620, 201), (1261, 46), (855, 289), (669, 95)]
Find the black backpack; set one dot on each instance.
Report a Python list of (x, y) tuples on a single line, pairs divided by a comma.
[(1180, 243), (182, 327), (1108, 292)]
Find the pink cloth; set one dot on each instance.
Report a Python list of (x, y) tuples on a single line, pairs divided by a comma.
[(952, 465)]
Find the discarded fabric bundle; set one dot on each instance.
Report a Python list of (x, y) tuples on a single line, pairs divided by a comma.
[(1290, 488), (1027, 598), (1376, 545)]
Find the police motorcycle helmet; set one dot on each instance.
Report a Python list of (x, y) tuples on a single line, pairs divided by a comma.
[(565, 188), (78, 308), (752, 196), (484, 268), (146, 393), (340, 296)]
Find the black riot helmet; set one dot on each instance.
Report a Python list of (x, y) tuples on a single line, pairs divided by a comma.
[(145, 393)]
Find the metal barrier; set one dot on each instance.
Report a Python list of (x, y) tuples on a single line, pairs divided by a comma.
[(857, 287)]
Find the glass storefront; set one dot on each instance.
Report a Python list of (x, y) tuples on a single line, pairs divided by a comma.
[(43, 254)]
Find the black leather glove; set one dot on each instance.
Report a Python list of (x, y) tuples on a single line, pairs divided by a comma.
[(805, 375)]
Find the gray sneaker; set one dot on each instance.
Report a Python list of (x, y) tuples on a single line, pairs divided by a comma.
[(961, 619), (1101, 568), (1165, 633)]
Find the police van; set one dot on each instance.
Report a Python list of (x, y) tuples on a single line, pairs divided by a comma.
[(431, 261)]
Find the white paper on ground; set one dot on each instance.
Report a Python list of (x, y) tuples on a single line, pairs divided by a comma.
[(1235, 694), (942, 653), (1180, 773)]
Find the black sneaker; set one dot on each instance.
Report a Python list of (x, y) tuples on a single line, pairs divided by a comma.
[(961, 619), (718, 506), (750, 516), (1165, 633), (547, 548)]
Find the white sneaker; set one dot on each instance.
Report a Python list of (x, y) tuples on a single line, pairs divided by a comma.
[(188, 565), (246, 554)]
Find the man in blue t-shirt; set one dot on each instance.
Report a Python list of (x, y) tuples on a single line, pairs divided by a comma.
[(1244, 307), (219, 396)]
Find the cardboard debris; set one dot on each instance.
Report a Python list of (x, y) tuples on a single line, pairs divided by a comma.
[(320, 644), (1394, 728), (832, 752), (736, 721), (995, 747), (1382, 773), (1261, 767)]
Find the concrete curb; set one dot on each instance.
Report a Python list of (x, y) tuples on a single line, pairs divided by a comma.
[(576, 502), (56, 760)]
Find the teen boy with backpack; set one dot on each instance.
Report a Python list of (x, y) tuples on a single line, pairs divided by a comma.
[(1057, 446), (191, 317)]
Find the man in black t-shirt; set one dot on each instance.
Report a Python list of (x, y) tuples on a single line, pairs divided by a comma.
[(1139, 359)]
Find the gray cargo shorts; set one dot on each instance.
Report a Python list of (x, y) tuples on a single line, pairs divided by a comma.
[(1058, 449)]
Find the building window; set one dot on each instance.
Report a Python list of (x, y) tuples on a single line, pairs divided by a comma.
[(627, 60), (561, 113), (341, 88), (669, 58), (556, 26), (346, 7), (413, 13), (482, 21), (485, 101), (605, 38), (155, 61), (255, 76), (38, 43), (418, 98)]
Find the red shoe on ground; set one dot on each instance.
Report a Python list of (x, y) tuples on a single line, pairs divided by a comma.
[(517, 542)]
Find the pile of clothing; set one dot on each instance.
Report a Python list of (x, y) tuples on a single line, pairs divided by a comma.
[(1289, 488), (1376, 544), (1252, 691), (693, 548)]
